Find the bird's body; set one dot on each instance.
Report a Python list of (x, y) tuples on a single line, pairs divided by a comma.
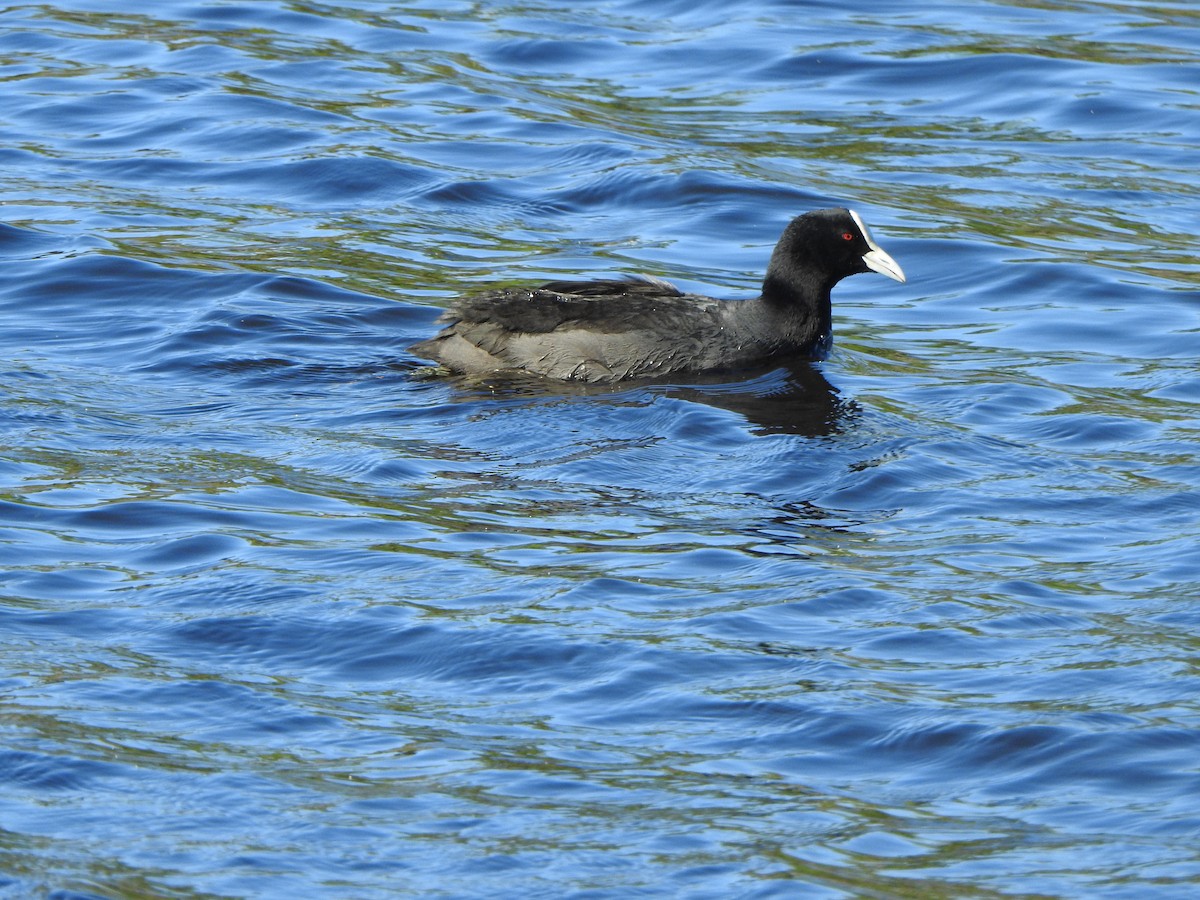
[(605, 331)]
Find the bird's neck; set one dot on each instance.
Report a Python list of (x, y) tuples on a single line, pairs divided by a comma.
[(800, 312)]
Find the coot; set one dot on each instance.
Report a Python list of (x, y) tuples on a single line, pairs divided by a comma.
[(604, 331)]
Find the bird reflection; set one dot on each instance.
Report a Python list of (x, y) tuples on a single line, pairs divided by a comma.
[(791, 399)]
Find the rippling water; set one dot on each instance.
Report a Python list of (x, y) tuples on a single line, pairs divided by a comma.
[(278, 619)]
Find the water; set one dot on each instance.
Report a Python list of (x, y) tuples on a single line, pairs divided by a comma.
[(278, 619)]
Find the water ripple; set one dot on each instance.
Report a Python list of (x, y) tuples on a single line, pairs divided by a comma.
[(915, 620)]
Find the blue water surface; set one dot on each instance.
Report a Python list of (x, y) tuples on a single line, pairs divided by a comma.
[(279, 618)]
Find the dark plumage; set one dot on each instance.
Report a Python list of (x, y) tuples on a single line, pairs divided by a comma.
[(603, 331)]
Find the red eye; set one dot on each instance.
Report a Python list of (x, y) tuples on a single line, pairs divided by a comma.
[(847, 236)]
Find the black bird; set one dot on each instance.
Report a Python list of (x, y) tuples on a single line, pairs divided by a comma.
[(605, 331)]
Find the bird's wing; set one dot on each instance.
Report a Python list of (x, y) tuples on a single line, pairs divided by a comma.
[(619, 304)]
